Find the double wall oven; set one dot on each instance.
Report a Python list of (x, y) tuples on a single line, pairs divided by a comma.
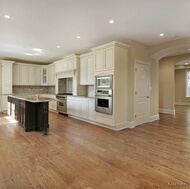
[(104, 94)]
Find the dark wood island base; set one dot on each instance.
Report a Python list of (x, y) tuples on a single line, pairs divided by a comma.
[(31, 115)]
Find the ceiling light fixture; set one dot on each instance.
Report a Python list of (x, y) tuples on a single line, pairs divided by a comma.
[(111, 21), (41, 51), (186, 63), (161, 35), (7, 16), (78, 37), (37, 49), (28, 54), (58, 46)]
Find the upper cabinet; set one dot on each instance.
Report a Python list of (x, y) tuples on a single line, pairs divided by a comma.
[(29, 74), (44, 75), (26, 74), (6, 77), (51, 74), (48, 75), (106, 56), (87, 69), (66, 64), (104, 59)]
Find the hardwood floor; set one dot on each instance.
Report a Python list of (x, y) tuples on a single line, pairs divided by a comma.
[(77, 155)]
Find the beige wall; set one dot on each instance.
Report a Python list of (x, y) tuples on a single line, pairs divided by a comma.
[(166, 84), (167, 81), (180, 86), (139, 51), (154, 93)]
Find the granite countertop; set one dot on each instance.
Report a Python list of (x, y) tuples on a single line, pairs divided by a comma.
[(33, 98)]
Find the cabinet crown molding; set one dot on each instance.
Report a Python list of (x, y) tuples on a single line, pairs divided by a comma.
[(6, 61), (113, 43), (87, 54)]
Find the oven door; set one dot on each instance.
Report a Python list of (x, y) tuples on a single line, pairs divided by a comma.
[(62, 106), (103, 104)]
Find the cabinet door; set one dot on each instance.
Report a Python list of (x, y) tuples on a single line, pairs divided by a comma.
[(90, 70), (16, 74), (31, 73), (37, 79), (57, 67), (84, 71), (6, 70), (80, 107), (51, 75), (70, 107), (91, 109), (44, 76), (4, 103), (99, 60), (109, 58), (24, 80)]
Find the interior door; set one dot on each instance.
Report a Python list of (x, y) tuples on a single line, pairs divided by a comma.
[(142, 93)]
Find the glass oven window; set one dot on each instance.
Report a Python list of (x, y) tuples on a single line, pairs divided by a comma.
[(61, 104), (104, 82), (103, 103)]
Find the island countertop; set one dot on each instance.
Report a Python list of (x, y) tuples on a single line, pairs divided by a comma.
[(32, 98)]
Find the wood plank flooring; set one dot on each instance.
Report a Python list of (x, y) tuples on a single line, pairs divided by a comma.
[(80, 155)]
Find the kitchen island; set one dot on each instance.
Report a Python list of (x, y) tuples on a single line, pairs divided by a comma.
[(30, 111)]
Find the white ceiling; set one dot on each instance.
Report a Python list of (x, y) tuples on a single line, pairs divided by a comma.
[(45, 24)]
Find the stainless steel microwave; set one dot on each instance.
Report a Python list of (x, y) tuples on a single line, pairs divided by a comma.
[(104, 82)]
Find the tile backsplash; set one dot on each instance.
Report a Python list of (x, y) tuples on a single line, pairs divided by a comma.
[(90, 90), (33, 89)]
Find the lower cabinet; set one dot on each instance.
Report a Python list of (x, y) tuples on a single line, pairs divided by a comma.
[(77, 106), (85, 108), (3, 103), (53, 105), (52, 102)]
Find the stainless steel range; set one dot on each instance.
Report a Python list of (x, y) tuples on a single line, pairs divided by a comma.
[(62, 102)]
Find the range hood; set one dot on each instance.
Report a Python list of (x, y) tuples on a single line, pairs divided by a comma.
[(66, 74)]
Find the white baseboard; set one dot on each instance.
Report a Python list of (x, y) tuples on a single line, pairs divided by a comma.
[(154, 118), (182, 103), (167, 111), (131, 124), (122, 126)]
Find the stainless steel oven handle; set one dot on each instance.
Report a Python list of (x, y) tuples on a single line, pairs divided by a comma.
[(102, 95)]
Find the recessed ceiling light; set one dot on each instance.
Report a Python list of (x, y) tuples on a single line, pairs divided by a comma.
[(41, 51), (58, 46), (78, 37), (28, 54), (111, 21), (37, 49), (161, 35), (7, 16)]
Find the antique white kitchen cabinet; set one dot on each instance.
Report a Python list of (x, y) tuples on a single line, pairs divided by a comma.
[(87, 69)]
